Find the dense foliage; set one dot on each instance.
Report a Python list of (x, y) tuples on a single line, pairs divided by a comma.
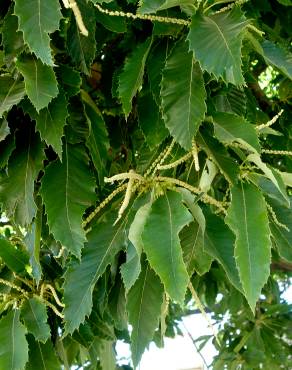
[(146, 171)]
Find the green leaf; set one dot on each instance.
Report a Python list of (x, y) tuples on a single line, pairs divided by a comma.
[(97, 141), (7, 146), (183, 98), (39, 79), (67, 190), (161, 243), (12, 39), (34, 315), (220, 156), (12, 256), (131, 77), (144, 302), (104, 242), (114, 24), (4, 129), (69, 78), (272, 175), (230, 128), (11, 92), (130, 270), (82, 48), (41, 356), (219, 243), (38, 18), (150, 121), (32, 243), (13, 345), (50, 121), (17, 188), (216, 42), (278, 57), (152, 6), (107, 356), (247, 217)]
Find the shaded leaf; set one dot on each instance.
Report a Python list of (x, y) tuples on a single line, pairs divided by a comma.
[(183, 98), (278, 57), (69, 78), (104, 242), (144, 302), (13, 345), (131, 77), (34, 315), (11, 92), (152, 6), (38, 18), (39, 79), (41, 356), (216, 43), (67, 190), (16, 259), (12, 39), (161, 243), (230, 128), (247, 217), (17, 188)]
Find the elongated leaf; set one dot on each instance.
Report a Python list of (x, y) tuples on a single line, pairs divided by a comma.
[(161, 243), (34, 315), (13, 257), (12, 38), (67, 190), (132, 75), (82, 48), (32, 243), (144, 302), (216, 43), (17, 188), (220, 157), (50, 121), (130, 270), (107, 356), (104, 241), (219, 243), (7, 147), (230, 128), (11, 92), (13, 345), (152, 6), (38, 18), (183, 98), (41, 356), (40, 81), (272, 175), (278, 57), (248, 219)]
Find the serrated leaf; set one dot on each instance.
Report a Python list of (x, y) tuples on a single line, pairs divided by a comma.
[(150, 121), (278, 57), (97, 141), (272, 175), (38, 18), (220, 156), (50, 121), (67, 190), (12, 39), (13, 345), (11, 93), (218, 38), (82, 48), (41, 356), (161, 242), (130, 270), (144, 302), (152, 6), (39, 79), (17, 188), (4, 129), (104, 242), (7, 147), (230, 128), (131, 77), (219, 243), (69, 78), (232, 101), (34, 315), (16, 259), (248, 219), (183, 98)]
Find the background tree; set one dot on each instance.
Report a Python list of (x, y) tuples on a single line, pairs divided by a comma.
[(145, 163)]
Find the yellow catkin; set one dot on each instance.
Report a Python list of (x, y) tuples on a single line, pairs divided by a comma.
[(277, 152), (73, 5), (127, 197), (271, 122), (166, 154), (174, 164), (274, 217), (51, 288), (155, 163), (195, 155), (13, 286), (153, 18)]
